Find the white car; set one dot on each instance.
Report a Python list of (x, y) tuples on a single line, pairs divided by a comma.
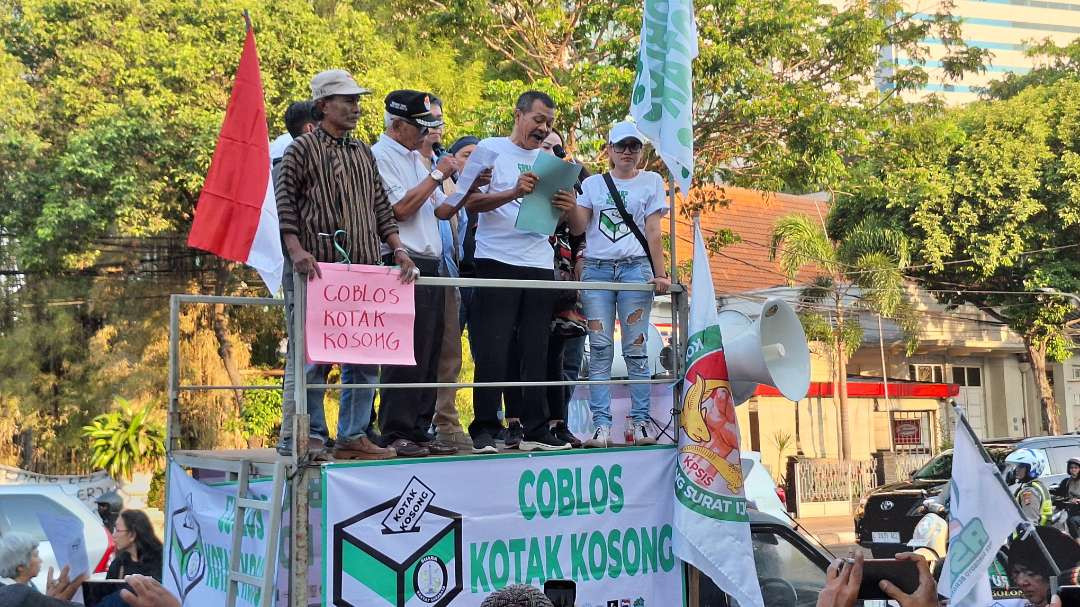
[(19, 507)]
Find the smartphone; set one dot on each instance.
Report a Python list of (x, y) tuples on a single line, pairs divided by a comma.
[(903, 574), (562, 593), (1070, 596)]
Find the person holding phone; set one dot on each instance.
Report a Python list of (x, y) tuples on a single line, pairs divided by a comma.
[(620, 213), (844, 578)]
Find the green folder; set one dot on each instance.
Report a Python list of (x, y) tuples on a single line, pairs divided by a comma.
[(536, 214)]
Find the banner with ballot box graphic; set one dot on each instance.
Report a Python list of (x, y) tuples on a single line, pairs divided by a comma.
[(199, 519), (448, 533)]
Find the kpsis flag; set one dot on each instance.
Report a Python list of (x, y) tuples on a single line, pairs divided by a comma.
[(982, 514), (236, 217), (712, 530), (662, 95)]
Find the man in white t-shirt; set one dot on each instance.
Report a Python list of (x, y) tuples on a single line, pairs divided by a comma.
[(513, 323), (416, 195)]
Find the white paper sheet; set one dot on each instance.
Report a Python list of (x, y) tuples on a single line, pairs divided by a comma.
[(481, 158), (65, 534)]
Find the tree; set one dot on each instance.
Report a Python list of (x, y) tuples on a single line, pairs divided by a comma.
[(990, 195), (113, 108), (783, 89), (862, 271)]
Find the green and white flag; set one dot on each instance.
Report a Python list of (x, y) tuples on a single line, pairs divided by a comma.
[(712, 529), (982, 515), (662, 102)]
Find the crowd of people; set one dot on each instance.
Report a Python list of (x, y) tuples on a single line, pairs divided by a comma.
[(389, 203), (137, 561)]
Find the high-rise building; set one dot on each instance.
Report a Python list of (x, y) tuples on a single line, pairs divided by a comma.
[(1005, 28)]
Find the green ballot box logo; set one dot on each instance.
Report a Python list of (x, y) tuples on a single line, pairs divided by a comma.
[(404, 552), (968, 546)]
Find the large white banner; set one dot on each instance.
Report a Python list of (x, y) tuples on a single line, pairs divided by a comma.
[(199, 520), (450, 531), (86, 487)]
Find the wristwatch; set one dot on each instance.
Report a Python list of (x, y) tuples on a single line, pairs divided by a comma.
[(437, 175)]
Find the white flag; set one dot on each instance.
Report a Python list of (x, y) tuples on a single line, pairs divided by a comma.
[(982, 515), (662, 98), (712, 529)]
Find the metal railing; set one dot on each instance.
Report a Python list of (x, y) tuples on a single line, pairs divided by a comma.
[(301, 420), (833, 480)]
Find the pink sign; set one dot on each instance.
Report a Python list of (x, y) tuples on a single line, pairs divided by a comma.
[(360, 315)]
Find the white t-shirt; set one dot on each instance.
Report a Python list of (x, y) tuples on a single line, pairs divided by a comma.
[(496, 236), (607, 235), (402, 170)]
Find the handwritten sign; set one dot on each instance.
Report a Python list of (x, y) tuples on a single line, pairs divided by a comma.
[(360, 314)]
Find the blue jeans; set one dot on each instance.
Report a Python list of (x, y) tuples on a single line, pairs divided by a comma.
[(354, 415), (633, 308)]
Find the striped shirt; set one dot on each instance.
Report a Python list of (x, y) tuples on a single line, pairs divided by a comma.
[(325, 184)]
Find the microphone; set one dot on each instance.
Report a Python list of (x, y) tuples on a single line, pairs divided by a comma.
[(556, 149), (438, 150)]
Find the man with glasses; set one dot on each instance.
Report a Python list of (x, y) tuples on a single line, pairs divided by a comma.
[(416, 196)]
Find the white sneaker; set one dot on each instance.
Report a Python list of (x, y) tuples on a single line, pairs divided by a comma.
[(642, 434), (601, 438)]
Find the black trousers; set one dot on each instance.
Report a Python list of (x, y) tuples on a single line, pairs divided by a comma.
[(406, 412), (508, 323), (557, 396)]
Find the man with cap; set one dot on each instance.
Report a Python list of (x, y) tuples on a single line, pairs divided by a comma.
[(417, 198), (514, 324), (327, 181)]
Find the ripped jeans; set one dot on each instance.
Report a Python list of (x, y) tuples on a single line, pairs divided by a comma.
[(633, 309)]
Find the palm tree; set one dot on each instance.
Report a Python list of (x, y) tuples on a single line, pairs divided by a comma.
[(864, 271)]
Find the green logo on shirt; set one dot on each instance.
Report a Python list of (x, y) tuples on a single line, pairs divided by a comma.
[(610, 222), (524, 168)]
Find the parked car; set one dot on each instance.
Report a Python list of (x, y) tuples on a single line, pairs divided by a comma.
[(887, 516), (19, 506), (790, 565)]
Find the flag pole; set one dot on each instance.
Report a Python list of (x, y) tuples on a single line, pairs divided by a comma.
[(678, 356), (247, 20), (1004, 487)]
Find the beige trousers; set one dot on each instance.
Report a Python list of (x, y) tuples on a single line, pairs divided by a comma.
[(446, 414)]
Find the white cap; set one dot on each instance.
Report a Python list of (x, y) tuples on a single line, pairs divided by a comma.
[(625, 130), (335, 82)]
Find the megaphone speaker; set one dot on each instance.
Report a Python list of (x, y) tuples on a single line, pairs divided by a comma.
[(771, 350)]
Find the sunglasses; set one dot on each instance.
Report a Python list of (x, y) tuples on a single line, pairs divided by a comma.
[(423, 129), (620, 148)]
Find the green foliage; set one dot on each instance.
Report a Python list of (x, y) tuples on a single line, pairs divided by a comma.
[(260, 420), (125, 441), (990, 196)]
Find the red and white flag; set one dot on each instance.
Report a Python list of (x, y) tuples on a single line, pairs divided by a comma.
[(236, 216)]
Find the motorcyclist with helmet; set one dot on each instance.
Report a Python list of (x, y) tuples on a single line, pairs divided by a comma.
[(1067, 495), (1032, 494), (109, 506)]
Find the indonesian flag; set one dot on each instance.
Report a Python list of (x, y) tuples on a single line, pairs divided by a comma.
[(236, 216)]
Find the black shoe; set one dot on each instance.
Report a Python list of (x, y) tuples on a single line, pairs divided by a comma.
[(514, 434), (544, 442), (563, 433), (483, 443)]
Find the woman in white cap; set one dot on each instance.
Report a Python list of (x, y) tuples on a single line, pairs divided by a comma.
[(620, 213)]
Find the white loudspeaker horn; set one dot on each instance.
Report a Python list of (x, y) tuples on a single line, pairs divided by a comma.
[(771, 350)]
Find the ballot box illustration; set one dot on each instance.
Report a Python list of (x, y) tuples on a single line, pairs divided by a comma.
[(404, 552)]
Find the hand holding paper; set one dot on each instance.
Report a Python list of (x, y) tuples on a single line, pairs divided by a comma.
[(539, 210), (480, 160)]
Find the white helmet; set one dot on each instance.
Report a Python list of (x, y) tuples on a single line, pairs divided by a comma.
[(1026, 457)]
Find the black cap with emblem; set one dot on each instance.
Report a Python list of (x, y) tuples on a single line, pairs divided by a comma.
[(414, 106)]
